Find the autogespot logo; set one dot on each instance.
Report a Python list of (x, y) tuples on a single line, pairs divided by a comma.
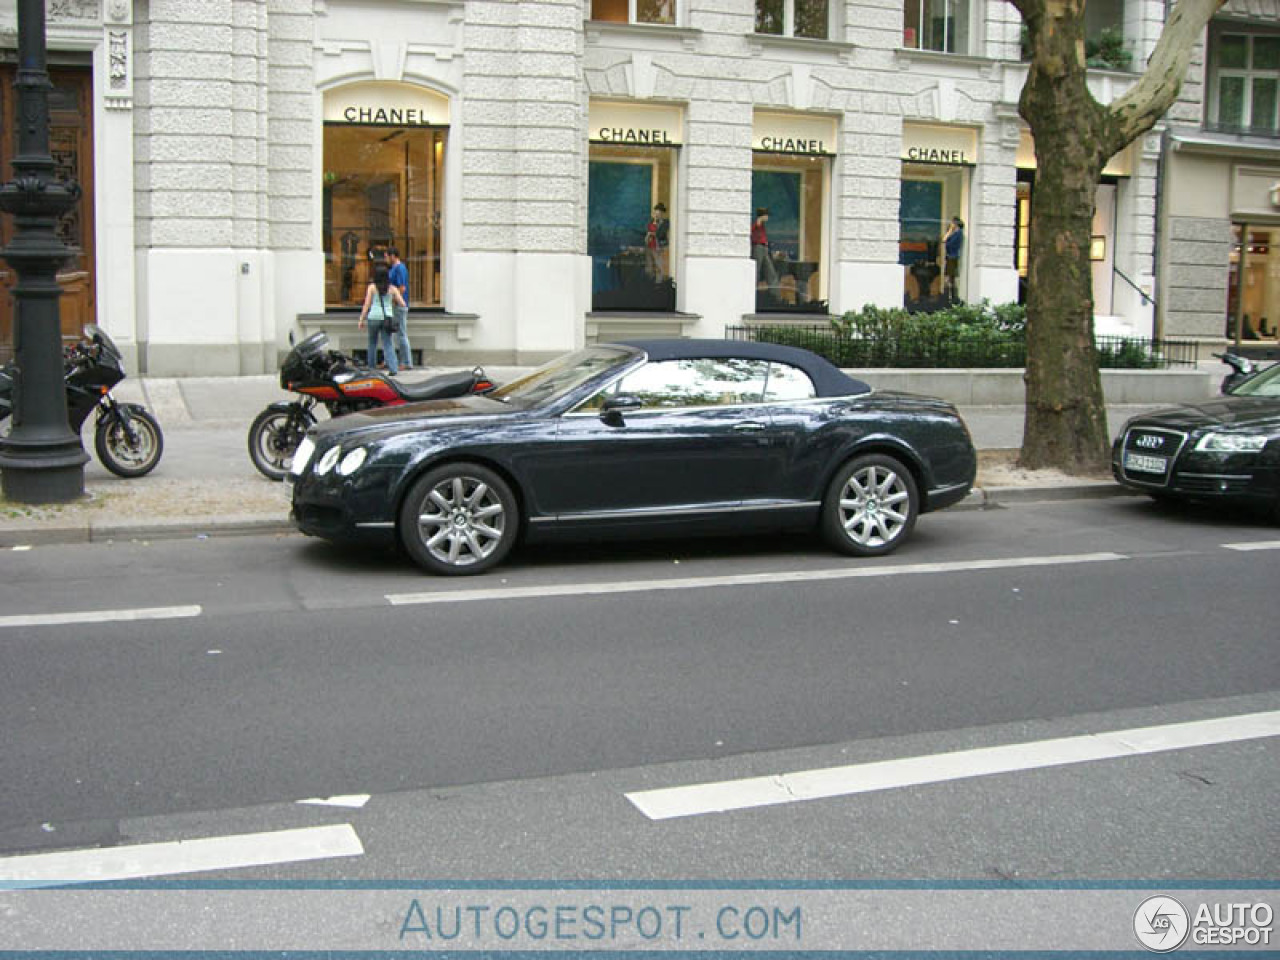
[(1161, 924)]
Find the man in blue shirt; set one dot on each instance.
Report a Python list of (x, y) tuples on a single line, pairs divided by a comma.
[(399, 277)]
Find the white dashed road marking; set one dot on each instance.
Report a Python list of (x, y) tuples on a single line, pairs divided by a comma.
[(739, 580), (688, 801), (1256, 545), (101, 616), (183, 856)]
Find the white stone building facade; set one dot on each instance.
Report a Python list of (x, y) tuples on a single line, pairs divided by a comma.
[(560, 171)]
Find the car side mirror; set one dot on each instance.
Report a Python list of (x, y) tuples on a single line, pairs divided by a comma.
[(613, 408)]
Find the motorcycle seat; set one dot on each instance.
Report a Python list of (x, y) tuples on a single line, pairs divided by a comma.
[(443, 385)]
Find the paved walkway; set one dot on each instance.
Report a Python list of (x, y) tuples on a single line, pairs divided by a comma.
[(206, 484)]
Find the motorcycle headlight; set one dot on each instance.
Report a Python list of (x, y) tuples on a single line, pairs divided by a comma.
[(352, 461), (1231, 443), (327, 461)]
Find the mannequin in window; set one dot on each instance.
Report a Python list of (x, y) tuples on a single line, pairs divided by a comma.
[(656, 236), (350, 242), (953, 246), (765, 270)]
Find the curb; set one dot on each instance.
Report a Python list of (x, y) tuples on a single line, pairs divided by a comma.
[(179, 528)]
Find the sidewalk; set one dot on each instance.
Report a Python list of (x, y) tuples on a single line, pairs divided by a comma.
[(206, 485)]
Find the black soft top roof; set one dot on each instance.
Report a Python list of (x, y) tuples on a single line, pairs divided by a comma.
[(828, 379)]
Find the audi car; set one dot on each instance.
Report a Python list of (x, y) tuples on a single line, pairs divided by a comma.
[(1225, 450), (637, 439)]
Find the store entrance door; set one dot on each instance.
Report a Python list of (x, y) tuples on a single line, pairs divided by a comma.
[(71, 146)]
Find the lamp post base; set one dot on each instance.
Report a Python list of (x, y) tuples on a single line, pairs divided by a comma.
[(42, 473)]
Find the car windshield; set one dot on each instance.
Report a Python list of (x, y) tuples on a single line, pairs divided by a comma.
[(1264, 384), (560, 376)]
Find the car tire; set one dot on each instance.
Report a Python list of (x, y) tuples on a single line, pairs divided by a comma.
[(870, 507), (459, 519)]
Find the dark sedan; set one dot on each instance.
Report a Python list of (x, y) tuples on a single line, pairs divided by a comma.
[(1225, 449), (664, 437)]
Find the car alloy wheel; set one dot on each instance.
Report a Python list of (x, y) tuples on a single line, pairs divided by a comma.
[(460, 518), (871, 506)]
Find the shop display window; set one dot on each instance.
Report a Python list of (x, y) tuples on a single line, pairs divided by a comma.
[(383, 188), (630, 234), (787, 232), (931, 197), (1253, 288)]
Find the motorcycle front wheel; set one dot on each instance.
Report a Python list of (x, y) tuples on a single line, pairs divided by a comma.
[(125, 455), (274, 438)]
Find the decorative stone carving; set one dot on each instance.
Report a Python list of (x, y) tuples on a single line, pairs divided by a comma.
[(120, 11), (68, 10), (119, 92)]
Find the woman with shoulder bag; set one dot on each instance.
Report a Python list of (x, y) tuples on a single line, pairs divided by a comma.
[(380, 302)]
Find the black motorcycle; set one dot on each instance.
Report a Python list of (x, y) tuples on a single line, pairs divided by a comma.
[(1242, 369), (127, 438), (329, 377)]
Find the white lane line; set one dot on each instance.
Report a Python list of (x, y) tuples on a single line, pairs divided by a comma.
[(702, 798), (100, 616), (1255, 545), (352, 800), (183, 856), (739, 580)]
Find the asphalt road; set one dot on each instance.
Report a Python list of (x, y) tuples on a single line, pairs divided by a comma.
[(498, 723)]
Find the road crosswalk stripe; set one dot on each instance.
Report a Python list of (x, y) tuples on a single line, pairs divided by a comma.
[(183, 856), (738, 580), (702, 798), (101, 616)]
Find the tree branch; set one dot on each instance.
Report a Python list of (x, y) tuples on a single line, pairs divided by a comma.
[(1138, 110)]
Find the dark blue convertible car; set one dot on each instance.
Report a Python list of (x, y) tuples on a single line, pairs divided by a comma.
[(652, 438)]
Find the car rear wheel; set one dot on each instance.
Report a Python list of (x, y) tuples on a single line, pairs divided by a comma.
[(458, 519), (870, 507)]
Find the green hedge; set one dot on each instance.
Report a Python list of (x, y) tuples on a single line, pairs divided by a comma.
[(963, 335)]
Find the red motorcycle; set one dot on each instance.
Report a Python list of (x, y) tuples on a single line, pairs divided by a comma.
[(329, 377)]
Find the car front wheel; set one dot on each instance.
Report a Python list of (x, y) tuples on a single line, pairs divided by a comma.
[(870, 507), (458, 519)]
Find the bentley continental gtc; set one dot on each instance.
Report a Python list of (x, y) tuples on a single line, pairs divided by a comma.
[(639, 439)]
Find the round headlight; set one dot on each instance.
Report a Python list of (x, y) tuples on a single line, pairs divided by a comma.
[(352, 461), (328, 460)]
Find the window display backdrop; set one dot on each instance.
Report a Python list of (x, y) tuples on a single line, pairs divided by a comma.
[(383, 187), (625, 184), (791, 188)]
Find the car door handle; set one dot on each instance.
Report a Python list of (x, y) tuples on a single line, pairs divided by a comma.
[(748, 426)]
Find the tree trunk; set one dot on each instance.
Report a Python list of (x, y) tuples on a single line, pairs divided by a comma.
[(1066, 418)]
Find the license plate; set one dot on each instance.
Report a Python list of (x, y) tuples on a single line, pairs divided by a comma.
[(1141, 463)]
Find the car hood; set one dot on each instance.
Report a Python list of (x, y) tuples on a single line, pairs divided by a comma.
[(1223, 412), (417, 416)]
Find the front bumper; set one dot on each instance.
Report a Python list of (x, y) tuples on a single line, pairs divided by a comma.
[(360, 507)]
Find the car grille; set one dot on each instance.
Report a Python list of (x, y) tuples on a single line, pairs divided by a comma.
[(1148, 454)]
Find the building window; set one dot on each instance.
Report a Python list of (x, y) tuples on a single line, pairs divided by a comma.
[(810, 19), (382, 188), (932, 198), (941, 25), (787, 230), (634, 11), (630, 235), (1244, 80)]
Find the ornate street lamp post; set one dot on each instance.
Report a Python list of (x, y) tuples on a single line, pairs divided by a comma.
[(42, 461)]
